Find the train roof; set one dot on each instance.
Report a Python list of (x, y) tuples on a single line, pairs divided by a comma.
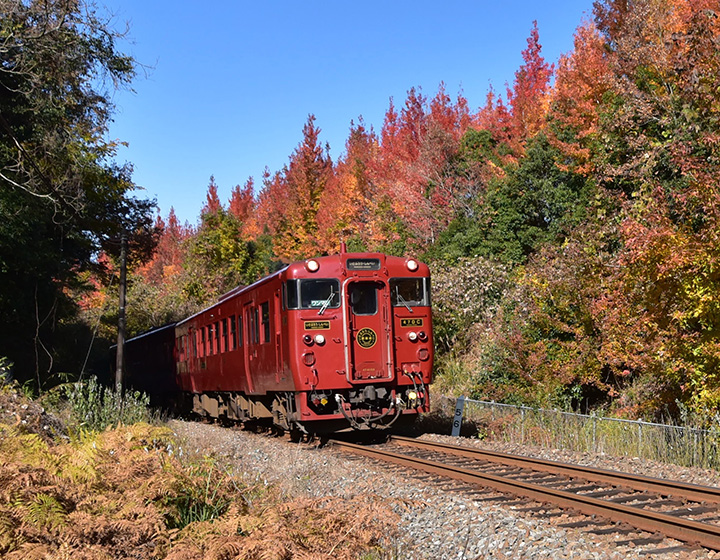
[(235, 291), (360, 260), (150, 332)]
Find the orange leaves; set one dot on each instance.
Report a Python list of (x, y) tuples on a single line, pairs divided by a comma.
[(583, 77), (529, 97), (289, 202)]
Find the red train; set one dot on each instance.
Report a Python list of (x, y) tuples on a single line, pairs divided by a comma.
[(324, 345)]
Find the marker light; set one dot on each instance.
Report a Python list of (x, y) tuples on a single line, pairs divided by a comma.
[(412, 265), (412, 336), (422, 336), (412, 395), (308, 358), (307, 339), (319, 339), (312, 265)]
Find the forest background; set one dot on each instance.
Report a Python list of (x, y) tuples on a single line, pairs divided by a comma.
[(571, 223)]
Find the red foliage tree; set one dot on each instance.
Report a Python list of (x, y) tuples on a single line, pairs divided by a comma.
[(345, 211), (583, 78), (167, 262), (212, 200), (529, 98), (242, 207), (289, 201)]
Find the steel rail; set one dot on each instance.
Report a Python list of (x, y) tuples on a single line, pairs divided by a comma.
[(674, 488), (675, 527)]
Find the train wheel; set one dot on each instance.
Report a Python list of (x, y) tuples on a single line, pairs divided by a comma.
[(296, 434)]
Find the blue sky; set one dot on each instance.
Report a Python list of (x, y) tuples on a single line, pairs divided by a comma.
[(228, 85)]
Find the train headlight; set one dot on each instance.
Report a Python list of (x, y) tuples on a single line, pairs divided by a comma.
[(412, 265), (312, 265), (319, 339), (412, 395), (412, 336)]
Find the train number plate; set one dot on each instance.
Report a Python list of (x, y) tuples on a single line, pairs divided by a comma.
[(317, 325), (411, 322)]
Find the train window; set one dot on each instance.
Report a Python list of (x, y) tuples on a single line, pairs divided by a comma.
[(194, 344), (319, 293), (217, 337), (408, 292), (265, 317), (363, 298), (255, 326), (203, 342), (224, 325), (239, 331), (233, 333), (290, 293)]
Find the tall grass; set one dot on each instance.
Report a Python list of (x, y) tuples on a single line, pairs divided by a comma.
[(95, 407)]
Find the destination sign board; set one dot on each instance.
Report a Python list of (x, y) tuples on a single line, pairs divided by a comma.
[(363, 264), (317, 325)]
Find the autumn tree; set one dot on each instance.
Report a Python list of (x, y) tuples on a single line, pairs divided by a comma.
[(417, 149), (660, 156), (583, 79), (289, 201), (345, 211), (514, 121)]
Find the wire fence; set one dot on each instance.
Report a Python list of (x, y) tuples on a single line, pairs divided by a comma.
[(680, 445)]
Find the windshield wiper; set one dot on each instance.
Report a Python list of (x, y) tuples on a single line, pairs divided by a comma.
[(402, 300), (325, 304)]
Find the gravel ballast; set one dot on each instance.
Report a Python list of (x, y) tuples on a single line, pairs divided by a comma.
[(435, 523)]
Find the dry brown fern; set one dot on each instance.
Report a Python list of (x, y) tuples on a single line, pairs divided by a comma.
[(31, 551)]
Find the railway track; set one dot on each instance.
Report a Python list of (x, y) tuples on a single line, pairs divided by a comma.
[(685, 512)]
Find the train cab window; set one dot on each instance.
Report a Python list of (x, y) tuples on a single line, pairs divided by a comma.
[(290, 294), (265, 318), (321, 293), (363, 298), (409, 292)]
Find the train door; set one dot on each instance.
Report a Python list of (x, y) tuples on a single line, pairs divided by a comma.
[(250, 342), (369, 331)]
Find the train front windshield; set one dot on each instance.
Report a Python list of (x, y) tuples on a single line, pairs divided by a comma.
[(409, 292), (317, 293)]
